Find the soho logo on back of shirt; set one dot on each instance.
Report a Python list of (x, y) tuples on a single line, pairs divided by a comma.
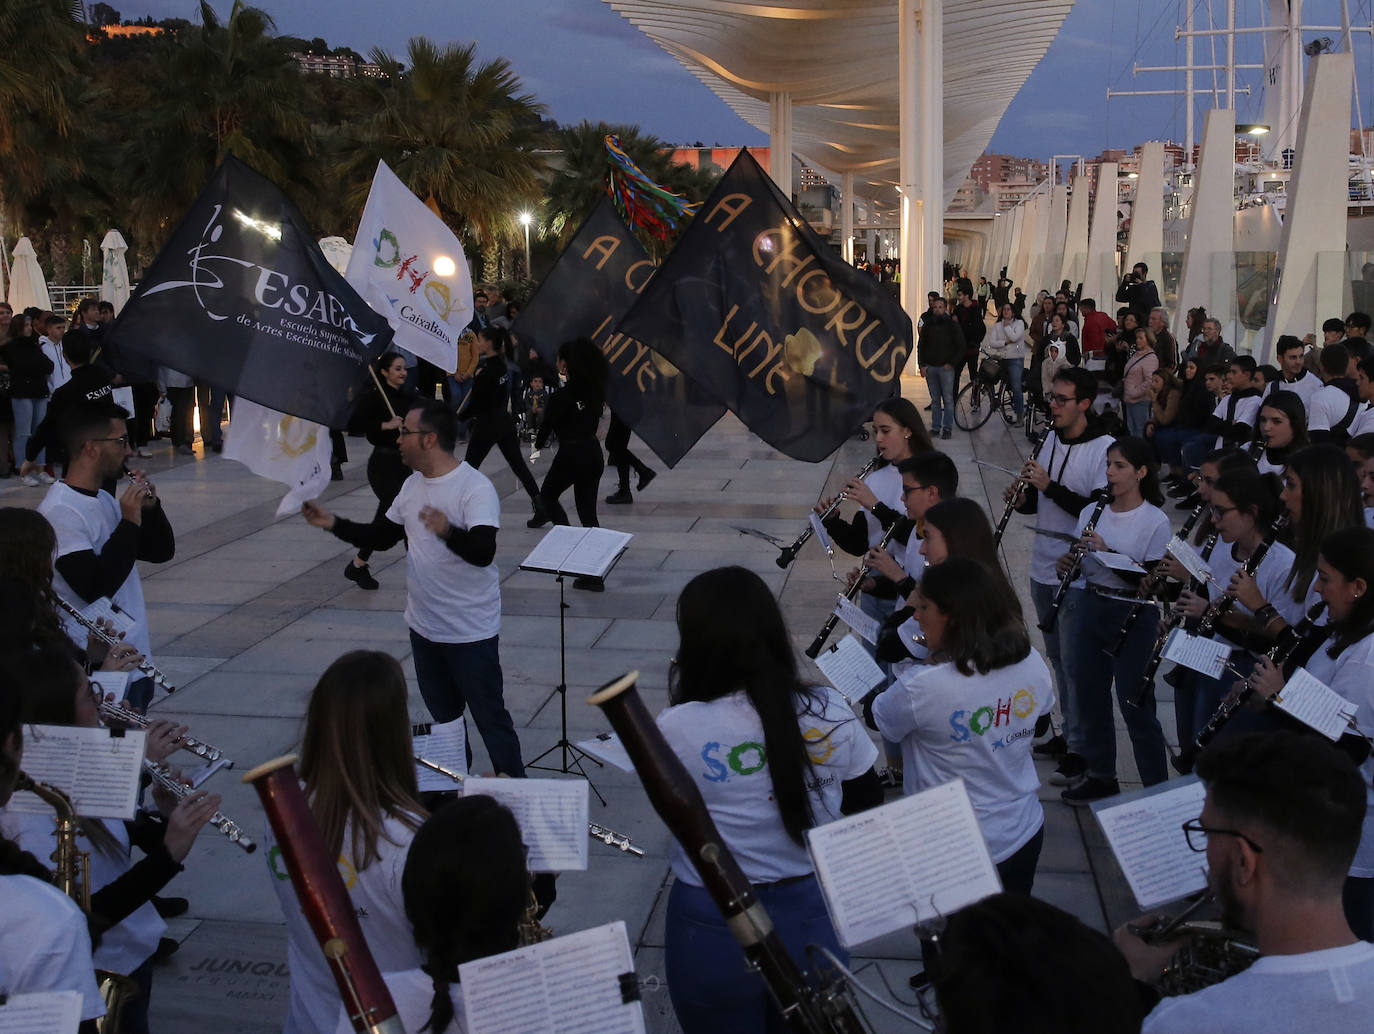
[(750, 757), (965, 724)]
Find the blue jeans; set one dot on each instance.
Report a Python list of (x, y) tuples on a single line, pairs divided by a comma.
[(1170, 442), (1137, 416), (456, 676), (1091, 626), (712, 987), (941, 383), (28, 414), (1015, 369), (1193, 451), (1041, 597)]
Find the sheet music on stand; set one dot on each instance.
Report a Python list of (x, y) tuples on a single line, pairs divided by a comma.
[(98, 769), (904, 863), (865, 626), (112, 683), (607, 747), (591, 552), (582, 983), (1145, 832), (443, 743), (850, 669), (551, 813), (1208, 656), (1191, 559), (42, 1012), (1315, 704)]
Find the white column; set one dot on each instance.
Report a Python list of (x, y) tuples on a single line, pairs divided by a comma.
[(1035, 270), (1314, 221), (1099, 277), (847, 216), (920, 92), (1076, 237), (1030, 229), (1016, 261), (1209, 263), (931, 138), (913, 289), (780, 140), (1147, 214), (1054, 242)]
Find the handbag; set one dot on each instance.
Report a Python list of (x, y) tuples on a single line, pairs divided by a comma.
[(162, 416)]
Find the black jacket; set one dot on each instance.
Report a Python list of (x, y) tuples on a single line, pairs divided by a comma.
[(29, 367), (941, 342)]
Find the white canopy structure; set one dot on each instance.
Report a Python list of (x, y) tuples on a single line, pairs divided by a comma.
[(887, 93)]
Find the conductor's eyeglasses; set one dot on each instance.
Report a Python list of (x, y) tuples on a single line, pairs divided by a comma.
[(1197, 834), (1061, 400)]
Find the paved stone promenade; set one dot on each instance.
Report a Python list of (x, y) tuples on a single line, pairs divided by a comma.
[(252, 610)]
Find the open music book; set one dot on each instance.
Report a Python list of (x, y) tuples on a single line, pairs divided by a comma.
[(44, 1012), (582, 551), (1145, 832), (904, 863), (98, 769), (551, 813), (850, 669), (583, 983)]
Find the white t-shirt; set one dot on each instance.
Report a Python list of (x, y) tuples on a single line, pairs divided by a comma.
[(1142, 534), (449, 600), (1270, 577), (1369, 516), (1330, 991), (1364, 420), (1305, 387), (46, 946), (1080, 468), (376, 896), (126, 945), (977, 728), (886, 485), (721, 743), (1247, 412), (83, 522), (61, 369), (1329, 406), (412, 990), (1351, 674)]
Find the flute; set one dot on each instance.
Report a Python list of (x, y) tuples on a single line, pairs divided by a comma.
[(1019, 490), (1076, 554), (109, 639), (607, 836), (112, 712), (789, 553), (849, 594), (180, 790)]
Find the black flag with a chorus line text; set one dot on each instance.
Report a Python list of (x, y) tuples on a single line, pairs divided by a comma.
[(242, 298), (593, 284), (763, 314)]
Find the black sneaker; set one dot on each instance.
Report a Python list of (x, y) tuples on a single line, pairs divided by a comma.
[(1180, 489), (1054, 747), (170, 908), (1089, 790), (538, 520), (645, 478), (361, 576), (166, 948), (1072, 767), (1188, 503), (947, 434), (621, 497)]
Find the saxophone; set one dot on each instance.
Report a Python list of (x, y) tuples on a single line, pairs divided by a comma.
[(72, 876)]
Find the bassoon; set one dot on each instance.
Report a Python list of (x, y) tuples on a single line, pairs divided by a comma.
[(323, 899), (805, 1006)]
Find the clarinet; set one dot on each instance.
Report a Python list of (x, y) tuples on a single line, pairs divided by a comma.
[(850, 594), (1076, 554), (1170, 621), (805, 1007), (1151, 584), (1018, 492), (323, 898), (789, 553), (1289, 640), (1222, 606)]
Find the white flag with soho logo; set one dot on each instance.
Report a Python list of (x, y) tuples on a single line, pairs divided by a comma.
[(408, 265), (281, 447)]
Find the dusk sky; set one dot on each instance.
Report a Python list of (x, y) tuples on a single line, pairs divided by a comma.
[(584, 61)]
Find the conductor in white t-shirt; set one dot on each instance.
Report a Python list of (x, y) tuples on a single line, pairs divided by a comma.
[(448, 514), (1279, 826)]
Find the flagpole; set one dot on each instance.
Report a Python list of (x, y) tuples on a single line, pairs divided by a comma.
[(379, 389)]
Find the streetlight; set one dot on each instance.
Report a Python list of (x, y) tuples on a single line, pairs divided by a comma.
[(525, 219)]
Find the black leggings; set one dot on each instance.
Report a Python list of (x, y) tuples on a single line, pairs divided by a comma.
[(386, 474), (578, 463), (618, 451), (480, 444)]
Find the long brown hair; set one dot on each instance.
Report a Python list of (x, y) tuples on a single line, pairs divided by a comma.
[(1331, 502), (356, 757), (28, 605)]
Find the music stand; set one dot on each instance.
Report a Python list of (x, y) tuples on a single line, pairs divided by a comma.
[(579, 552)]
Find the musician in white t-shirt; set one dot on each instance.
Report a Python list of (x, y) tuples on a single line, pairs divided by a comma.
[(448, 514), (1289, 352), (1360, 449), (1279, 826), (771, 757), (1336, 405)]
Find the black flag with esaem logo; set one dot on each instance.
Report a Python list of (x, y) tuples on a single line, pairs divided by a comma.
[(593, 284), (763, 314), (242, 298)]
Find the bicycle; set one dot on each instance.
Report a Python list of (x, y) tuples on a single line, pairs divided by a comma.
[(989, 390)]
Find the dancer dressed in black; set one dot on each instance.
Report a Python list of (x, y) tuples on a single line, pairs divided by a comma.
[(487, 404), (385, 471), (618, 451)]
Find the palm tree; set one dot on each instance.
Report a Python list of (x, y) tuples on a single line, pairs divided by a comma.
[(453, 128), (575, 188)]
